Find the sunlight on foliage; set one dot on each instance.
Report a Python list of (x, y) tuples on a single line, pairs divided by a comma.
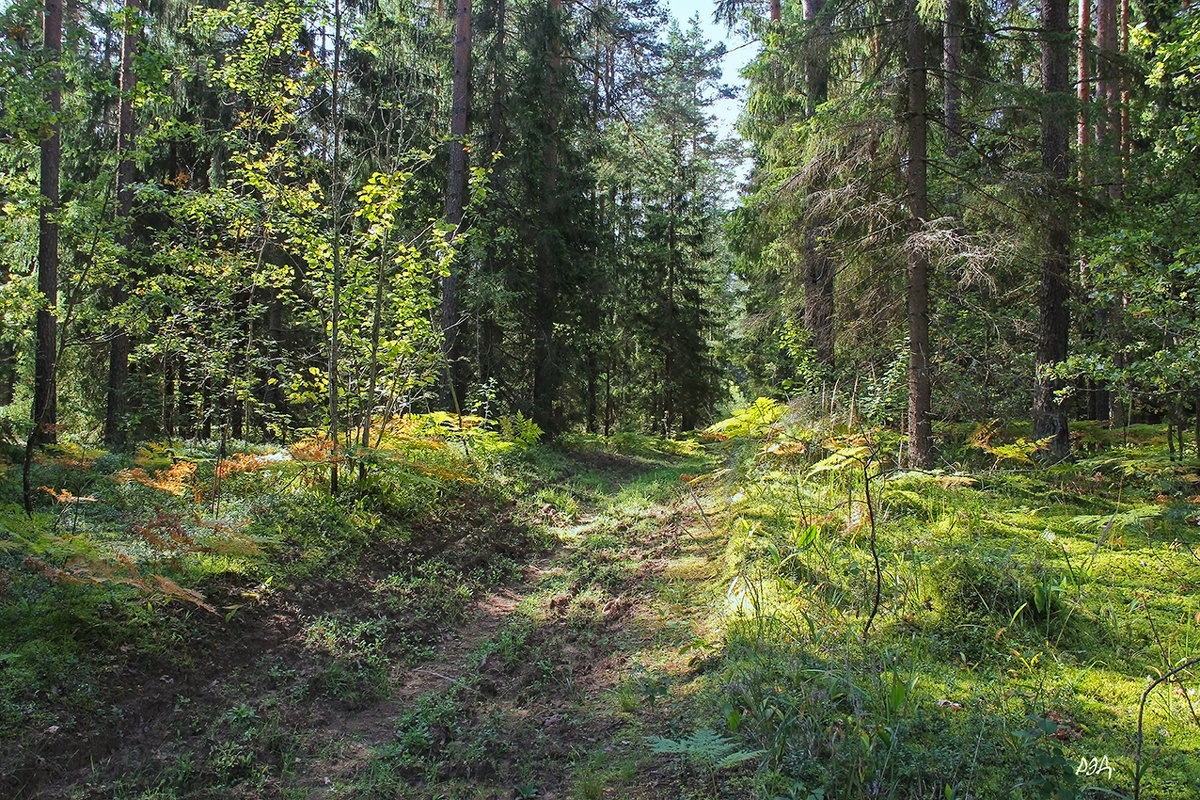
[(177, 479), (752, 421), (1020, 452)]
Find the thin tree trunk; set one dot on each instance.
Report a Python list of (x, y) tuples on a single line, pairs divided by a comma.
[(1049, 415), (168, 398), (545, 303), (1084, 88), (920, 439), (373, 377), (186, 409), (8, 356), (591, 406), (489, 332), (116, 424), (1125, 123), (335, 197), (45, 369), (267, 400), (456, 193), (669, 378), (818, 265)]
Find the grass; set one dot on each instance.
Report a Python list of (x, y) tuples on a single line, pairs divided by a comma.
[(1022, 613), (629, 617)]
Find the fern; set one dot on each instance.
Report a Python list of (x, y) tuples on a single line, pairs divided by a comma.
[(845, 458), (176, 479), (914, 478), (520, 429), (752, 421), (705, 747), (1021, 451), (1135, 517)]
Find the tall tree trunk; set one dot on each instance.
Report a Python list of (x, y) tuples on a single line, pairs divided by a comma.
[(920, 439), (45, 368), (818, 265), (489, 333), (1109, 162), (116, 424), (957, 12), (1097, 393), (1125, 122), (454, 344), (776, 10), (545, 304), (1109, 87), (1049, 415), (335, 198), (1084, 88), (669, 379)]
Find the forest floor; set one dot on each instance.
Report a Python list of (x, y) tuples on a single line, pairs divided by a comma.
[(774, 610), (544, 645)]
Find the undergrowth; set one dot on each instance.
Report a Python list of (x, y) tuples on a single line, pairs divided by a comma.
[(809, 620), (986, 629), (142, 563)]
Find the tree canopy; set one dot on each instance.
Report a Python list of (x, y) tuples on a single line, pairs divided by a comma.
[(259, 217)]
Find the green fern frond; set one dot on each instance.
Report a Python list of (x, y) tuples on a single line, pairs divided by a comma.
[(706, 747), (1125, 520), (751, 421)]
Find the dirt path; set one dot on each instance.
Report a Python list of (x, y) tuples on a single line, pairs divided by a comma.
[(547, 686), (543, 684)]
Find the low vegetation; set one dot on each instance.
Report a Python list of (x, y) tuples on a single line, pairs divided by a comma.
[(769, 609)]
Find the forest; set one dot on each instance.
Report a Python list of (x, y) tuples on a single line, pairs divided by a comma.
[(436, 399)]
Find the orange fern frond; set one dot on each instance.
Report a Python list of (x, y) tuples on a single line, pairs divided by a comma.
[(241, 462), (64, 497), (169, 588), (314, 448), (174, 480)]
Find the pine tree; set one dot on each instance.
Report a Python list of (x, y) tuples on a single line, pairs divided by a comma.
[(1049, 415), (45, 381)]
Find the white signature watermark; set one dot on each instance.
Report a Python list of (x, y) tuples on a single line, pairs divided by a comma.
[(1094, 766)]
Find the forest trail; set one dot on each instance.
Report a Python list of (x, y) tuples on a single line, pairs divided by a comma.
[(544, 684)]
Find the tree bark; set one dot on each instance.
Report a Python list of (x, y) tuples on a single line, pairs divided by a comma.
[(545, 304), (1049, 415), (489, 333), (45, 369), (1097, 393), (368, 414), (1109, 164), (335, 202), (116, 425), (1084, 87), (957, 12), (453, 343), (920, 439), (818, 265), (1109, 87), (8, 356)]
